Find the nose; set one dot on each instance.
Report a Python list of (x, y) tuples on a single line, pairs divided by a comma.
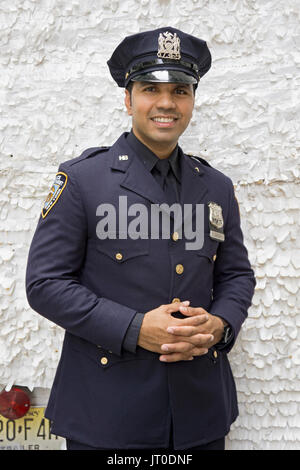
[(166, 101)]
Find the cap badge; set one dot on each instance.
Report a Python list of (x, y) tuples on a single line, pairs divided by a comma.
[(168, 46)]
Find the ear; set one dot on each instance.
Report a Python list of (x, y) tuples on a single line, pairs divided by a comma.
[(128, 102)]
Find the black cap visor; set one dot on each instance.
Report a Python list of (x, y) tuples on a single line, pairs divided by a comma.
[(164, 76)]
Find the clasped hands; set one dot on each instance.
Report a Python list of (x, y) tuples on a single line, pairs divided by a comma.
[(179, 339)]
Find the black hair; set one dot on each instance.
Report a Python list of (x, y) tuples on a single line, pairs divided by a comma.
[(129, 87)]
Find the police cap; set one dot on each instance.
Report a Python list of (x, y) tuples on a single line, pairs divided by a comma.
[(162, 55)]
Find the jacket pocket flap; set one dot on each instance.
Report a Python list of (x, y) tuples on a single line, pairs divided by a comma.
[(104, 358), (121, 250)]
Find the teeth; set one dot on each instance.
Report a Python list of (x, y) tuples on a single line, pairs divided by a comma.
[(163, 119)]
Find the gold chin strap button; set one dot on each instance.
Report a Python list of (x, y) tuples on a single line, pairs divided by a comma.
[(119, 256), (179, 269)]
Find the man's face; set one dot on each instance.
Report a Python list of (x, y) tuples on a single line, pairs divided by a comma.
[(160, 111)]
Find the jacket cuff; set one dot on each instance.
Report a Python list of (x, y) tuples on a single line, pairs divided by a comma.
[(226, 346), (132, 334)]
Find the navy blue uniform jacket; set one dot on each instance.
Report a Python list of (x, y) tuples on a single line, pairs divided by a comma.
[(103, 395)]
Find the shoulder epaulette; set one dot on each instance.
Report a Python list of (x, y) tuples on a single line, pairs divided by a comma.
[(199, 159), (88, 153)]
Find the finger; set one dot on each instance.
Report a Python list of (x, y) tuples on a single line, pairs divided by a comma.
[(199, 351), (183, 330), (191, 311), (191, 325), (198, 321), (175, 357), (179, 347), (201, 340), (175, 306), (181, 343)]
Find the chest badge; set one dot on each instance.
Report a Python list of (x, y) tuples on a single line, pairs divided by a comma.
[(216, 222)]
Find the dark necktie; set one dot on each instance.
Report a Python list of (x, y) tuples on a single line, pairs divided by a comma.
[(165, 178)]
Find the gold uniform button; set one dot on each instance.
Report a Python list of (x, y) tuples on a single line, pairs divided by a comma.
[(197, 169), (179, 268), (175, 236), (119, 256), (214, 257), (104, 360), (175, 300), (215, 354)]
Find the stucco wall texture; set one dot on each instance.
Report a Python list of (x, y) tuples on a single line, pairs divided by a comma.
[(57, 99)]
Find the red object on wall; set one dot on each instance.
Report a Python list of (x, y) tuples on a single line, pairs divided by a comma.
[(14, 404)]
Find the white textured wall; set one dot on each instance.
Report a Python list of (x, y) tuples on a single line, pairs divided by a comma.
[(57, 99)]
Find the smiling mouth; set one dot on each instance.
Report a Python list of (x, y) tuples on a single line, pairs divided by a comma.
[(164, 120)]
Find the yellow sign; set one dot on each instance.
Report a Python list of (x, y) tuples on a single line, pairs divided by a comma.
[(32, 432)]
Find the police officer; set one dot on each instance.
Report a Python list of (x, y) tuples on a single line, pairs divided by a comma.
[(149, 320)]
